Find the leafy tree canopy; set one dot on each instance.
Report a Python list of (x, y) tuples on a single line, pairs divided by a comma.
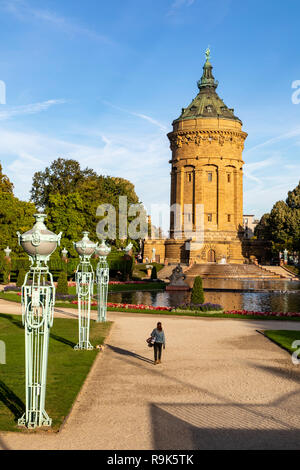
[(70, 197), (15, 215), (282, 225), (64, 176), (5, 185), (293, 199)]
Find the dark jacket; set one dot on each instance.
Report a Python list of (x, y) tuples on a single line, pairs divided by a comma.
[(159, 336)]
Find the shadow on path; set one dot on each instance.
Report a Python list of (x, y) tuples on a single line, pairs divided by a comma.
[(68, 314), (125, 352), (193, 426), (3, 446), (11, 400)]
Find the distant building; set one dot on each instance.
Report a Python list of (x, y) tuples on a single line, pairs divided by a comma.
[(249, 224)]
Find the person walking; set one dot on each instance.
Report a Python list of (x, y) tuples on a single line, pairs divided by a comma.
[(159, 341)]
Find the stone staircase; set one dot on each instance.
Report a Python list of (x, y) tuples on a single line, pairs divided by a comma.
[(223, 271), (229, 271), (281, 271)]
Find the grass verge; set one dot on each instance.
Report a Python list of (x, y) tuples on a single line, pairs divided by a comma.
[(284, 338), (67, 369)]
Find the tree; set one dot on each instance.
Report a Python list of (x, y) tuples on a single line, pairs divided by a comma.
[(293, 199), (282, 225), (70, 196), (66, 214), (5, 185), (64, 176), (15, 215), (197, 296)]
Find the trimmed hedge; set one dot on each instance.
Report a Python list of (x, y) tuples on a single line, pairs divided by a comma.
[(119, 265)]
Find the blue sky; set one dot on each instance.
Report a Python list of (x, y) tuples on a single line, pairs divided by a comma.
[(102, 81)]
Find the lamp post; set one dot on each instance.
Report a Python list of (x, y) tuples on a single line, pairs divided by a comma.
[(84, 287), (102, 278), (38, 298)]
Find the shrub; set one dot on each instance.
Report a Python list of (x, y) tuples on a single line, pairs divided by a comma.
[(154, 274), (197, 292), (207, 307), (21, 277), (62, 284)]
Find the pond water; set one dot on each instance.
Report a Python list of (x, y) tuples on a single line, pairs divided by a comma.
[(276, 296)]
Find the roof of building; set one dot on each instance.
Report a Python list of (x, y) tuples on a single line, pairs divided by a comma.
[(207, 103)]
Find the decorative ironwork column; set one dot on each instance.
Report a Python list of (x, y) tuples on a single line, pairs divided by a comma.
[(102, 278), (84, 287), (38, 298)]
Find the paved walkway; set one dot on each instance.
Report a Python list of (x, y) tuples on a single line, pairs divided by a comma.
[(222, 385)]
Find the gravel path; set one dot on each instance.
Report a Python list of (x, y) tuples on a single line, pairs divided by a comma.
[(221, 385)]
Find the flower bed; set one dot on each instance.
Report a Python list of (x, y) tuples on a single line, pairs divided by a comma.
[(11, 288), (262, 314), (65, 297), (138, 307), (129, 306)]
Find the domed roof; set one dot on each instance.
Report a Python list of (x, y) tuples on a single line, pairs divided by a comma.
[(207, 103)]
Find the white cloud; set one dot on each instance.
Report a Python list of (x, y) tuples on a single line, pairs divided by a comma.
[(177, 4), (10, 112), (251, 168), (141, 159), (287, 135), (156, 123), (23, 11), (182, 3)]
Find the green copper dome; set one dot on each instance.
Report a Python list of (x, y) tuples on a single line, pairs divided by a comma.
[(207, 103)]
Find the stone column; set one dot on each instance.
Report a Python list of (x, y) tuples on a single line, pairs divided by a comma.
[(221, 207)]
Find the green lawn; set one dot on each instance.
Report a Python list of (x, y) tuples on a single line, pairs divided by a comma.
[(283, 338), (67, 368)]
